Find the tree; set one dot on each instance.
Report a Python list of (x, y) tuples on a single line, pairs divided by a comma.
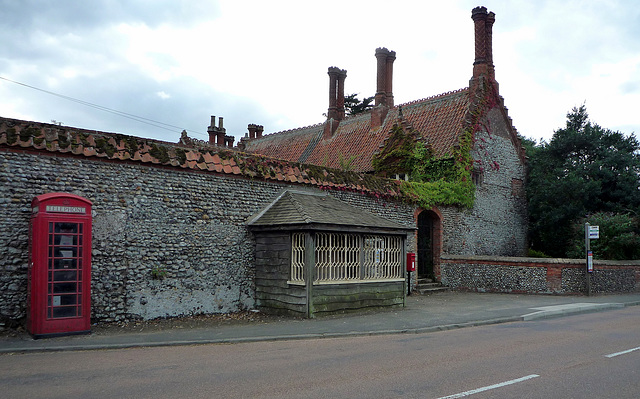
[(619, 238), (584, 169), (353, 106)]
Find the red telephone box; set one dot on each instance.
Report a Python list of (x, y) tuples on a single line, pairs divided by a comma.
[(59, 280)]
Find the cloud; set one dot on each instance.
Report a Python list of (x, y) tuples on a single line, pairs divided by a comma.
[(179, 62), (58, 17)]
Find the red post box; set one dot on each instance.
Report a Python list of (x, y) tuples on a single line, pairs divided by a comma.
[(411, 262), (59, 280)]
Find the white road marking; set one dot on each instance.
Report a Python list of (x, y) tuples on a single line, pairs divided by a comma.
[(487, 388), (622, 353)]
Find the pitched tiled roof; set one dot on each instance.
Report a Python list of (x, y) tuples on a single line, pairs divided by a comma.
[(18, 135), (438, 119), (290, 144), (294, 207)]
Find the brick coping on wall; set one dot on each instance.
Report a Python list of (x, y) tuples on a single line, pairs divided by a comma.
[(524, 261)]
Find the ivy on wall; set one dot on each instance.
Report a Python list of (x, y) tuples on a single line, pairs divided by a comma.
[(446, 180)]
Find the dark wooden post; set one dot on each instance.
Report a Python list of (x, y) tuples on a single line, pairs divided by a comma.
[(310, 268)]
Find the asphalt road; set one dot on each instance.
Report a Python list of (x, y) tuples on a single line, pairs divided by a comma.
[(584, 356)]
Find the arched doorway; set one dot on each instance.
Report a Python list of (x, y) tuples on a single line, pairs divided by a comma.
[(428, 244)]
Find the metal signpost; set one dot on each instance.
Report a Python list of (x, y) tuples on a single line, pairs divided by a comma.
[(590, 233)]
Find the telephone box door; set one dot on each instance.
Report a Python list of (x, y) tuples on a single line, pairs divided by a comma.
[(60, 267)]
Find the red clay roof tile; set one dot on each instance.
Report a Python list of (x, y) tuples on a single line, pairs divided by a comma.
[(208, 158), (135, 149), (439, 121)]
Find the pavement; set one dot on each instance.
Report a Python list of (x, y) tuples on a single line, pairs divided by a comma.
[(422, 314)]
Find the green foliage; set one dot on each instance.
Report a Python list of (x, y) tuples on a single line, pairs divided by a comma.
[(130, 142), (424, 167), (29, 132), (443, 181), (63, 141), (103, 145), (353, 106), (397, 156), (446, 180), (181, 156), (12, 136), (530, 146), (441, 192), (584, 169), (346, 163), (160, 152), (532, 253), (619, 237), (433, 181), (158, 272)]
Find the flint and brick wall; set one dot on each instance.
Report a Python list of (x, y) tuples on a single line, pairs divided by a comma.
[(537, 276), (497, 224), (190, 224)]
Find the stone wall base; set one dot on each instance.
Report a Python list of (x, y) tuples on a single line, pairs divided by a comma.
[(537, 276)]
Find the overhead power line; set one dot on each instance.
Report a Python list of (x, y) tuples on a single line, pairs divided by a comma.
[(141, 119)]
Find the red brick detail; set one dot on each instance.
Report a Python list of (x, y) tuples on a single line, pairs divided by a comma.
[(436, 239), (554, 278)]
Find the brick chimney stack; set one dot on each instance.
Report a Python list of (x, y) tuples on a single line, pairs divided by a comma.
[(255, 131), (381, 76), (340, 96), (384, 77), (212, 131), (252, 131), (336, 112), (336, 93), (220, 133), (217, 133), (491, 18), (228, 141), (483, 27), (384, 90), (389, 78)]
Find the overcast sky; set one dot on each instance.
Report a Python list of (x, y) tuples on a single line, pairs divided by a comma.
[(265, 62)]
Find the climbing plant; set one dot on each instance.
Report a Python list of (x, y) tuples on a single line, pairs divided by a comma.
[(442, 180), (397, 156)]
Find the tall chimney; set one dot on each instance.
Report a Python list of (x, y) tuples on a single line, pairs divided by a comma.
[(336, 101), (491, 18), (480, 64), (220, 133), (336, 93), (384, 91), (381, 76), (389, 77), (342, 75), (212, 130), (259, 130), (333, 99)]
